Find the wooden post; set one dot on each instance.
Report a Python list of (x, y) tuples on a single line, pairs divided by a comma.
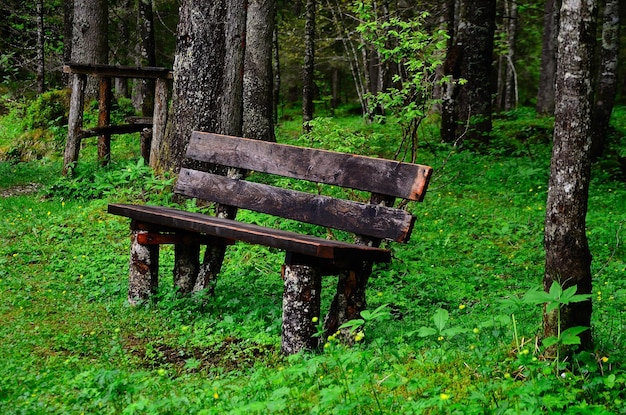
[(186, 265), (146, 140), (75, 122), (349, 299), (301, 305), (104, 120), (144, 269), (159, 119)]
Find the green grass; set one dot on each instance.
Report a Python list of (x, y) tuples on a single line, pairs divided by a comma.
[(71, 344)]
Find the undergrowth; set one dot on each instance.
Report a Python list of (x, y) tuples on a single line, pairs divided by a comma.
[(449, 328)]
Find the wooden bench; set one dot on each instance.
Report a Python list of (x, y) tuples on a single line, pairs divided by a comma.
[(308, 257)]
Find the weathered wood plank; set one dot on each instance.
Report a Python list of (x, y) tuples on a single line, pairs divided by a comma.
[(360, 218), (404, 180), (152, 238), (230, 229)]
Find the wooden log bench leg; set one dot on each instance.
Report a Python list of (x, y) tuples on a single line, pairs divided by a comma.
[(144, 269), (348, 302), (301, 306), (186, 266), (210, 267)]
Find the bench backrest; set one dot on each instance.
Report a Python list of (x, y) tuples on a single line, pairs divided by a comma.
[(379, 176)]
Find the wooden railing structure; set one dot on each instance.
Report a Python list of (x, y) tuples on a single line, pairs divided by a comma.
[(104, 129)]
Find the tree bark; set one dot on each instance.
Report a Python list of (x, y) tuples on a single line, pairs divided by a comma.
[(510, 77), (41, 61), (607, 78), (144, 270), (568, 259), (471, 116), (309, 65), (68, 22), (301, 305), (208, 76), (145, 55), (89, 37), (276, 70), (545, 96), (257, 79)]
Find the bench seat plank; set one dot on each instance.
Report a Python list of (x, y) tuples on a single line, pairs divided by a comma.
[(359, 218), (230, 229), (388, 177)]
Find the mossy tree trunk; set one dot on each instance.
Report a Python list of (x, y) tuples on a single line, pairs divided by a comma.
[(208, 69)]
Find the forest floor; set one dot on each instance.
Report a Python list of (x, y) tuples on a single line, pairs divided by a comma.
[(451, 327)]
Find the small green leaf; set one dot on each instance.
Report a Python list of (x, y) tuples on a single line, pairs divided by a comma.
[(352, 324), (550, 341), (537, 296), (570, 335), (609, 381), (426, 331), (453, 331), (440, 318)]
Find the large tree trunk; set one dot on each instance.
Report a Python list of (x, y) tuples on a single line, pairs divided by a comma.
[(207, 96), (568, 259), (471, 116), (607, 78), (208, 82), (89, 36), (545, 96), (309, 65), (257, 79)]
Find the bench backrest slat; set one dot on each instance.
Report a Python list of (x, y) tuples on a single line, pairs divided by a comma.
[(392, 178), (360, 218)]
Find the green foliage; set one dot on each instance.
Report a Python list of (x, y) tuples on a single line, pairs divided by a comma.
[(553, 300), (71, 344), (48, 109), (441, 318), (134, 179), (418, 54)]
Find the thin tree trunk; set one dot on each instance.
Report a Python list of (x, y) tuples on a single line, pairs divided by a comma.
[(568, 259), (352, 56), (145, 55), (607, 78), (257, 79), (309, 65), (41, 61), (68, 22), (473, 104), (545, 96), (276, 70), (510, 80)]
